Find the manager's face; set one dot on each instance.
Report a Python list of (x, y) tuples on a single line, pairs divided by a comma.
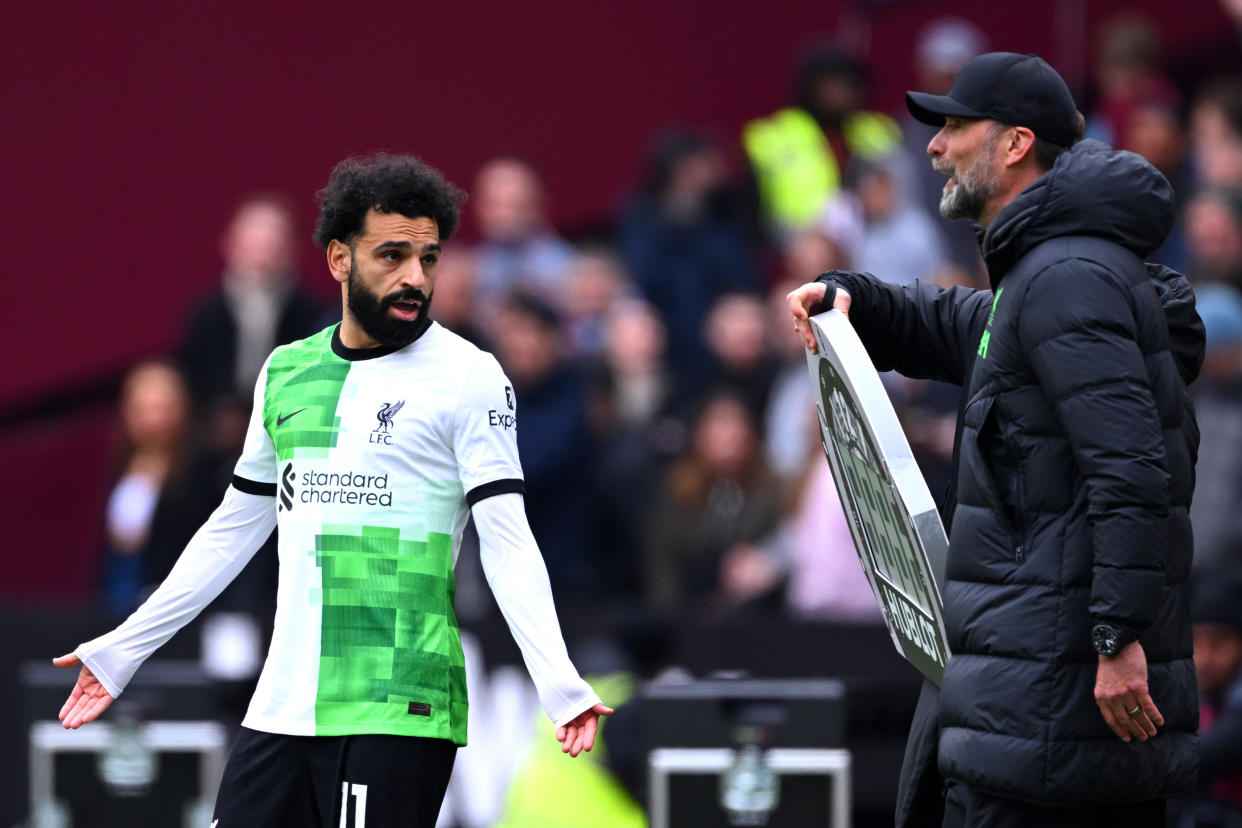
[(965, 150)]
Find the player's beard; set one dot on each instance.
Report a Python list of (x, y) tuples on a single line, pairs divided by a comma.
[(973, 189), (371, 312)]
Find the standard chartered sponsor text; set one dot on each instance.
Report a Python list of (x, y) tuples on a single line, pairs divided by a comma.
[(350, 488)]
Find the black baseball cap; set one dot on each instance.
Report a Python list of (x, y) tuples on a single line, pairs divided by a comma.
[(1019, 90)]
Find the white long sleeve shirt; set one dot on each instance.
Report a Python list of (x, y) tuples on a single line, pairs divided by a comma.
[(368, 462)]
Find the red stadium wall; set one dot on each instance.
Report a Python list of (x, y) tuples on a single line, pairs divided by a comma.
[(132, 133)]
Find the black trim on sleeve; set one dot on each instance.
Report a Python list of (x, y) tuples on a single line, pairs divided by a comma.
[(254, 487), (513, 485)]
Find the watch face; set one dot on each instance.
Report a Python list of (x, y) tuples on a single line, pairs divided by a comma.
[(1105, 640)]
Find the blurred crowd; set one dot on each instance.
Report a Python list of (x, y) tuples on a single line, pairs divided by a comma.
[(667, 425)]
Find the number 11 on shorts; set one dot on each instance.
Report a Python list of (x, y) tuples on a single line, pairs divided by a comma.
[(360, 806)]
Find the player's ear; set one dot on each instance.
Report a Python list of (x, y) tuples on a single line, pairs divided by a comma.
[(340, 259)]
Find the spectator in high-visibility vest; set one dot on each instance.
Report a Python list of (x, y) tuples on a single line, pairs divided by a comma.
[(798, 155)]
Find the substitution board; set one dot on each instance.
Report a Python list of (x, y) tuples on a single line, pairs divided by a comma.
[(897, 531)]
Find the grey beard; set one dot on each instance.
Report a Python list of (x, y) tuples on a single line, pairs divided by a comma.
[(968, 198), (974, 188)]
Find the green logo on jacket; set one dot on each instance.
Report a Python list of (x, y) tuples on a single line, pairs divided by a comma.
[(987, 333)]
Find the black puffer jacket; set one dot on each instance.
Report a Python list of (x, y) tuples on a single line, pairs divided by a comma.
[(1076, 468)]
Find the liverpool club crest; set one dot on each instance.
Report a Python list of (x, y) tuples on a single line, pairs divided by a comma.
[(383, 432)]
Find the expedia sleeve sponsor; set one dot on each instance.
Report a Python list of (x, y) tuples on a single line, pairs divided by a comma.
[(350, 488), (501, 419), (484, 438)]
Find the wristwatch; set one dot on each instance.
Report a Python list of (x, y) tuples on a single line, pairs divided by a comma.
[(1109, 640)]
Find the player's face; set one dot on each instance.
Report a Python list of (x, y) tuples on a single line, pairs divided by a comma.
[(391, 276)]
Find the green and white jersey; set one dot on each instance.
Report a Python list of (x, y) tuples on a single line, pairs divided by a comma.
[(375, 457), (368, 461)]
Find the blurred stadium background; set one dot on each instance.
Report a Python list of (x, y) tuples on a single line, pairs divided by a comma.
[(677, 486)]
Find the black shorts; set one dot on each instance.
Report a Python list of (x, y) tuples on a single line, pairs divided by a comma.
[(274, 780)]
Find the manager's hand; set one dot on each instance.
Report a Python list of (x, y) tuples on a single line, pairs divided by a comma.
[(805, 299), (1121, 693), (579, 734), (88, 699)]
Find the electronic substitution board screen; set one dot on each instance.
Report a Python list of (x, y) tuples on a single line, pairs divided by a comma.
[(897, 531)]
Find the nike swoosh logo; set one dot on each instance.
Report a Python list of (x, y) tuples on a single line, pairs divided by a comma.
[(282, 420)]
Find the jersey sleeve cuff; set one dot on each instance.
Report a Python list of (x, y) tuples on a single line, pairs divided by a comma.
[(253, 487), (583, 702), (86, 654), (496, 487)]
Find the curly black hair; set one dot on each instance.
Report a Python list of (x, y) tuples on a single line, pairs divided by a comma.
[(388, 183)]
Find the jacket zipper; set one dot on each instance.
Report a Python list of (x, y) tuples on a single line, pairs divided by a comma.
[(1019, 521)]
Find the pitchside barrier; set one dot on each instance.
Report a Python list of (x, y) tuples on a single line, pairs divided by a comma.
[(155, 758), (728, 752), (897, 532)]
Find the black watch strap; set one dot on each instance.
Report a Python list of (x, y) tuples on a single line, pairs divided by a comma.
[(1109, 639)]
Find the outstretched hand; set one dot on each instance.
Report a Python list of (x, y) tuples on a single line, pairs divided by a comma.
[(88, 699), (579, 734), (802, 300)]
